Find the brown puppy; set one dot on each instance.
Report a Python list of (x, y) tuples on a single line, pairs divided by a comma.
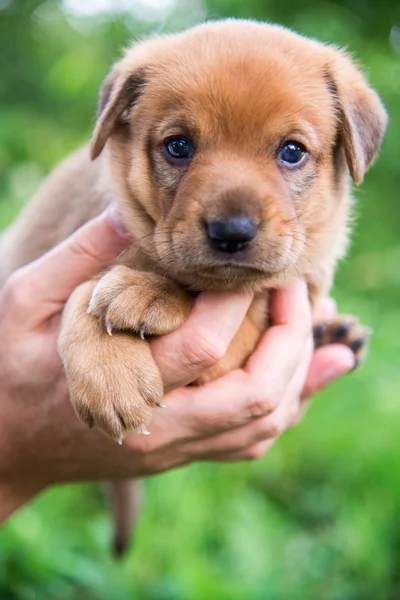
[(228, 148)]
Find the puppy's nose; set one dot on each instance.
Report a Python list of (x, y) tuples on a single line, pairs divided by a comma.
[(231, 234)]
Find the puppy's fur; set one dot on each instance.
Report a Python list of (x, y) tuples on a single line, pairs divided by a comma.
[(238, 90)]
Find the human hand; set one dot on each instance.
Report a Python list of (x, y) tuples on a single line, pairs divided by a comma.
[(42, 442)]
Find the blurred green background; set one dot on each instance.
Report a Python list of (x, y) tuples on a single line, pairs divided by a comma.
[(317, 518)]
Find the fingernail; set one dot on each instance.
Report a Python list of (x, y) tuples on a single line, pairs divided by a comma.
[(336, 371), (302, 286), (116, 219)]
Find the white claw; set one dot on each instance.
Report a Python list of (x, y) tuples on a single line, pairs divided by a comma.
[(161, 405), (108, 327), (92, 303), (142, 330), (142, 429), (91, 306), (121, 439)]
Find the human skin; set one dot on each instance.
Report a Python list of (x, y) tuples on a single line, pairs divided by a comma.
[(236, 417)]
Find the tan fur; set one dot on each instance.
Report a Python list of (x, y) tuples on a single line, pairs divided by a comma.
[(125, 498), (239, 90)]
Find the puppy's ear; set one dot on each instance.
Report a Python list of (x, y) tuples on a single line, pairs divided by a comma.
[(362, 116), (118, 93)]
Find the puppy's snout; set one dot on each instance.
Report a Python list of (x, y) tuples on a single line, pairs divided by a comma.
[(231, 233)]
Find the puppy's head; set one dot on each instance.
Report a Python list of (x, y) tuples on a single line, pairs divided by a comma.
[(231, 144)]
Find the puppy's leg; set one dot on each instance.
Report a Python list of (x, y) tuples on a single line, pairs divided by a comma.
[(128, 300), (245, 341), (113, 380), (344, 329)]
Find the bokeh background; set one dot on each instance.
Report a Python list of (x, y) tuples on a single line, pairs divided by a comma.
[(317, 518)]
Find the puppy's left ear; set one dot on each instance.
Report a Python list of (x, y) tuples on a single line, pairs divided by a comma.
[(362, 116), (118, 93)]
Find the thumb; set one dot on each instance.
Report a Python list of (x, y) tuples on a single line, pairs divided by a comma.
[(47, 282)]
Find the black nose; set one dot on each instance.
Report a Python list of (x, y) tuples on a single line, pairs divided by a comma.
[(231, 234)]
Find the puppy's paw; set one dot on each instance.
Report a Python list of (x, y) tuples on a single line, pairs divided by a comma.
[(344, 329), (114, 387), (142, 302)]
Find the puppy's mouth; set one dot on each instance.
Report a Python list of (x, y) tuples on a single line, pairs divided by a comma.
[(230, 276), (230, 269), (247, 264)]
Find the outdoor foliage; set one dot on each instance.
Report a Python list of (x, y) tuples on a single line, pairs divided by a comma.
[(317, 518)]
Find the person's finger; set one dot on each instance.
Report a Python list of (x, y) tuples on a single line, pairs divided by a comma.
[(235, 399), (237, 439), (284, 343), (252, 453), (199, 343), (40, 289), (253, 439), (328, 363), (325, 310), (243, 395)]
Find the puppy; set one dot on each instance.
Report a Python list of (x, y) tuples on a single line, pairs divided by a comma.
[(229, 149)]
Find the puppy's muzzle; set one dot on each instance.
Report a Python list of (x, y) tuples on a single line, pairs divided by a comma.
[(231, 234)]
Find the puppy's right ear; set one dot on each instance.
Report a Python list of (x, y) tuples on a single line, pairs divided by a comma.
[(118, 94)]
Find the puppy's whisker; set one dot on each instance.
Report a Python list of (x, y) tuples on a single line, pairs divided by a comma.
[(297, 216), (161, 232)]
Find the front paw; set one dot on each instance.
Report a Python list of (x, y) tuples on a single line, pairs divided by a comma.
[(142, 302), (114, 386)]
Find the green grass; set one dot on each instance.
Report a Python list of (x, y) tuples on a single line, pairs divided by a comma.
[(317, 518)]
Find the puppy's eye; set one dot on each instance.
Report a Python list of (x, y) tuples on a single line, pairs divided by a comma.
[(179, 148), (292, 153)]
